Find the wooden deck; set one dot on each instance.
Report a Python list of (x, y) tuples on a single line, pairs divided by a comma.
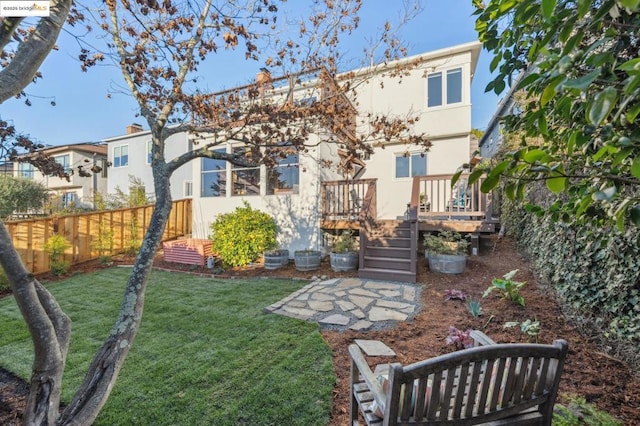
[(388, 248), (437, 206)]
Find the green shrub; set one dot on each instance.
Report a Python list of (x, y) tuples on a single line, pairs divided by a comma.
[(55, 246), (103, 242), (593, 268), (241, 236), (507, 287), (446, 242), (579, 412), (474, 307), (344, 242)]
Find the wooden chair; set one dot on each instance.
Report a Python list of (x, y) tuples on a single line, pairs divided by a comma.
[(493, 384)]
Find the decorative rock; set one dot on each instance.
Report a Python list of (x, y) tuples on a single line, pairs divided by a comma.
[(374, 348), (321, 306), (381, 286), (384, 314), (361, 325), (336, 319), (361, 302), (363, 292), (394, 305), (358, 314), (409, 293), (345, 306), (322, 296)]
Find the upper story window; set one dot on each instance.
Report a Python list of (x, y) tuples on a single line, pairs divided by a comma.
[(121, 156), (214, 177), (413, 164), (64, 161), (444, 88), (149, 151), (285, 176), (245, 180), (25, 170)]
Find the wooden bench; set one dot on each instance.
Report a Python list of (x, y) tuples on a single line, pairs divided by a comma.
[(493, 384)]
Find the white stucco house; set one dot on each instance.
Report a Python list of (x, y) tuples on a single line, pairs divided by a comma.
[(437, 89), (130, 156), (79, 189)]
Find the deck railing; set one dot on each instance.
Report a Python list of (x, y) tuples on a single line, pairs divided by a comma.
[(433, 197), (349, 199)]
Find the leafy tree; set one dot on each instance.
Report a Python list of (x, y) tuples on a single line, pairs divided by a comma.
[(160, 48), (20, 195), (580, 71)]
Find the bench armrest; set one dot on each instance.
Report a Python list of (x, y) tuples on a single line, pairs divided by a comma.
[(358, 361), (481, 339)]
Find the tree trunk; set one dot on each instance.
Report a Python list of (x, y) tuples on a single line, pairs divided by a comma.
[(106, 364), (50, 331)]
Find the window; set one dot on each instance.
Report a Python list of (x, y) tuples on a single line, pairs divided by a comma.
[(121, 156), (214, 177), (434, 87), (64, 161), (188, 188), (454, 86), (438, 85), (285, 177), (410, 165), (69, 199), (25, 170), (245, 180), (149, 151)]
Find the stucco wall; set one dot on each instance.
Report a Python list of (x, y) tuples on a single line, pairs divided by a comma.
[(297, 215), (137, 147), (444, 157)]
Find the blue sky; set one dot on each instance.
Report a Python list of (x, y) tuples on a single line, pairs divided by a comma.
[(84, 113)]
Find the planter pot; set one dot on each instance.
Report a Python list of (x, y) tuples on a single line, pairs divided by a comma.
[(275, 259), (347, 261), (307, 260), (447, 263)]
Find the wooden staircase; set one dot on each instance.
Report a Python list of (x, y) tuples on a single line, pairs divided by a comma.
[(388, 250)]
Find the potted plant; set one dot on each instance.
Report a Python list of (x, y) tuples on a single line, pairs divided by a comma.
[(344, 256), (307, 260), (274, 259), (446, 252)]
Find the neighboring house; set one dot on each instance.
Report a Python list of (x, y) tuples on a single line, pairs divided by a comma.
[(493, 136), (78, 190), (6, 168), (437, 90), (130, 156)]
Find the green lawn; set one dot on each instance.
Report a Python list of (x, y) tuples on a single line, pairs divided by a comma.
[(206, 354)]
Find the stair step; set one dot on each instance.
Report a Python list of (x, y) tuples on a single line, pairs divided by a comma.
[(388, 251), (389, 242), (387, 274), (387, 263)]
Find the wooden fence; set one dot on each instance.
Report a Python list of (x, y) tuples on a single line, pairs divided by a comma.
[(82, 232)]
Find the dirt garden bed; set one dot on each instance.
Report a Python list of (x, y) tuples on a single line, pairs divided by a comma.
[(602, 379)]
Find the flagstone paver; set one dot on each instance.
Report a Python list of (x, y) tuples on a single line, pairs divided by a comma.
[(351, 303), (374, 348)]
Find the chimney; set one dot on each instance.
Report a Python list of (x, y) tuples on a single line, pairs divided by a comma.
[(263, 77), (134, 128)]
